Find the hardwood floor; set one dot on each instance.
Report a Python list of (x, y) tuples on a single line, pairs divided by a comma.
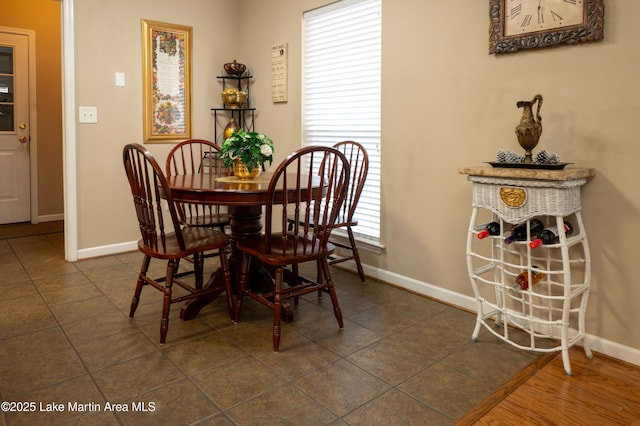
[(601, 391)]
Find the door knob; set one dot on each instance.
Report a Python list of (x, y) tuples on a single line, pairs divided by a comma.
[(22, 126), (22, 139)]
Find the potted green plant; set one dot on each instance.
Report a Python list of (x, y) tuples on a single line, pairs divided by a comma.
[(247, 149)]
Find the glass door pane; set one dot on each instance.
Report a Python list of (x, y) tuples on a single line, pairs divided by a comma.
[(6, 89), (6, 60)]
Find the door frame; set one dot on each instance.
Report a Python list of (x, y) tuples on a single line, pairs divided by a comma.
[(33, 119), (69, 150)]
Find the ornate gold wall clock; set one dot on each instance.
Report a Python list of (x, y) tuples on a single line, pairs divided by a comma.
[(530, 24)]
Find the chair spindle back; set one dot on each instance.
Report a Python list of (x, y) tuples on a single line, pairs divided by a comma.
[(197, 156), (358, 160), (314, 183), (149, 187)]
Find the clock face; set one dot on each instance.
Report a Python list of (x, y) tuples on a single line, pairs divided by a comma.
[(529, 16)]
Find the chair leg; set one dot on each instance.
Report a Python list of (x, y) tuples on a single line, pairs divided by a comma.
[(244, 276), (319, 275), (295, 271), (172, 267), (356, 255), (277, 309), (136, 294), (224, 265), (332, 292), (198, 267)]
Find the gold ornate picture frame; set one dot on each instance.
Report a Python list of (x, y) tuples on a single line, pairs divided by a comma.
[(166, 63)]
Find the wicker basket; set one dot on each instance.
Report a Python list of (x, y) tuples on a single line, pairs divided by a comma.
[(516, 201)]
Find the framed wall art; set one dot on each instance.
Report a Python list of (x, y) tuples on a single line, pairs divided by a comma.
[(166, 63), (531, 24)]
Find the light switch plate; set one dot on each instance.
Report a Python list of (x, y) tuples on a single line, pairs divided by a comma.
[(87, 114), (120, 79)]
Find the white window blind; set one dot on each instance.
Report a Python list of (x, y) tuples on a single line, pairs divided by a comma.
[(342, 90)]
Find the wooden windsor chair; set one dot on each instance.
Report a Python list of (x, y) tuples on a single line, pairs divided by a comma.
[(164, 237), (199, 156), (194, 156), (310, 185), (358, 160)]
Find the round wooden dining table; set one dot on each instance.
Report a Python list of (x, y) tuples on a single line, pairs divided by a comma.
[(244, 199)]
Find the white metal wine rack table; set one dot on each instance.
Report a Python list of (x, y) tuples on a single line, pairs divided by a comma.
[(552, 312)]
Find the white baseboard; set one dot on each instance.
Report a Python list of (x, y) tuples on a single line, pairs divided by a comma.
[(596, 343), (614, 350), (107, 250), (50, 217)]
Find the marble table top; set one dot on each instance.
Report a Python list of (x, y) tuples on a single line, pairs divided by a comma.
[(568, 173)]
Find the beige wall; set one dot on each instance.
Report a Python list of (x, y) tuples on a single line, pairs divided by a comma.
[(43, 17), (108, 40), (447, 103)]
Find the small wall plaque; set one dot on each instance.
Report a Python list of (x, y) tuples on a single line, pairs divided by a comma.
[(279, 58)]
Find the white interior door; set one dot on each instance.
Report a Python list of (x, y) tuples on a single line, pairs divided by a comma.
[(15, 187)]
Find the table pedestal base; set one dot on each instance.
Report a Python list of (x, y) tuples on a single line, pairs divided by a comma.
[(246, 222)]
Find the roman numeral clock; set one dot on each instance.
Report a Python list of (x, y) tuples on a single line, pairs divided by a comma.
[(531, 24)]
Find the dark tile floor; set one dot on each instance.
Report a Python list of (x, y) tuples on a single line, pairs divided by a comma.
[(66, 338)]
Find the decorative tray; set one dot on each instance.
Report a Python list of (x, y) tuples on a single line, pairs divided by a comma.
[(554, 166)]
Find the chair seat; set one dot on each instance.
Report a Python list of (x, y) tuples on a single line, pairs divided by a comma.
[(295, 250), (342, 224), (196, 240), (211, 220), (341, 221)]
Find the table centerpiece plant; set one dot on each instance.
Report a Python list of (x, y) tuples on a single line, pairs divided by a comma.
[(247, 149)]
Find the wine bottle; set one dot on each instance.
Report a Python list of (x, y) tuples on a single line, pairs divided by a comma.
[(522, 280), (491, 228), (519, 232), (550, 235)]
